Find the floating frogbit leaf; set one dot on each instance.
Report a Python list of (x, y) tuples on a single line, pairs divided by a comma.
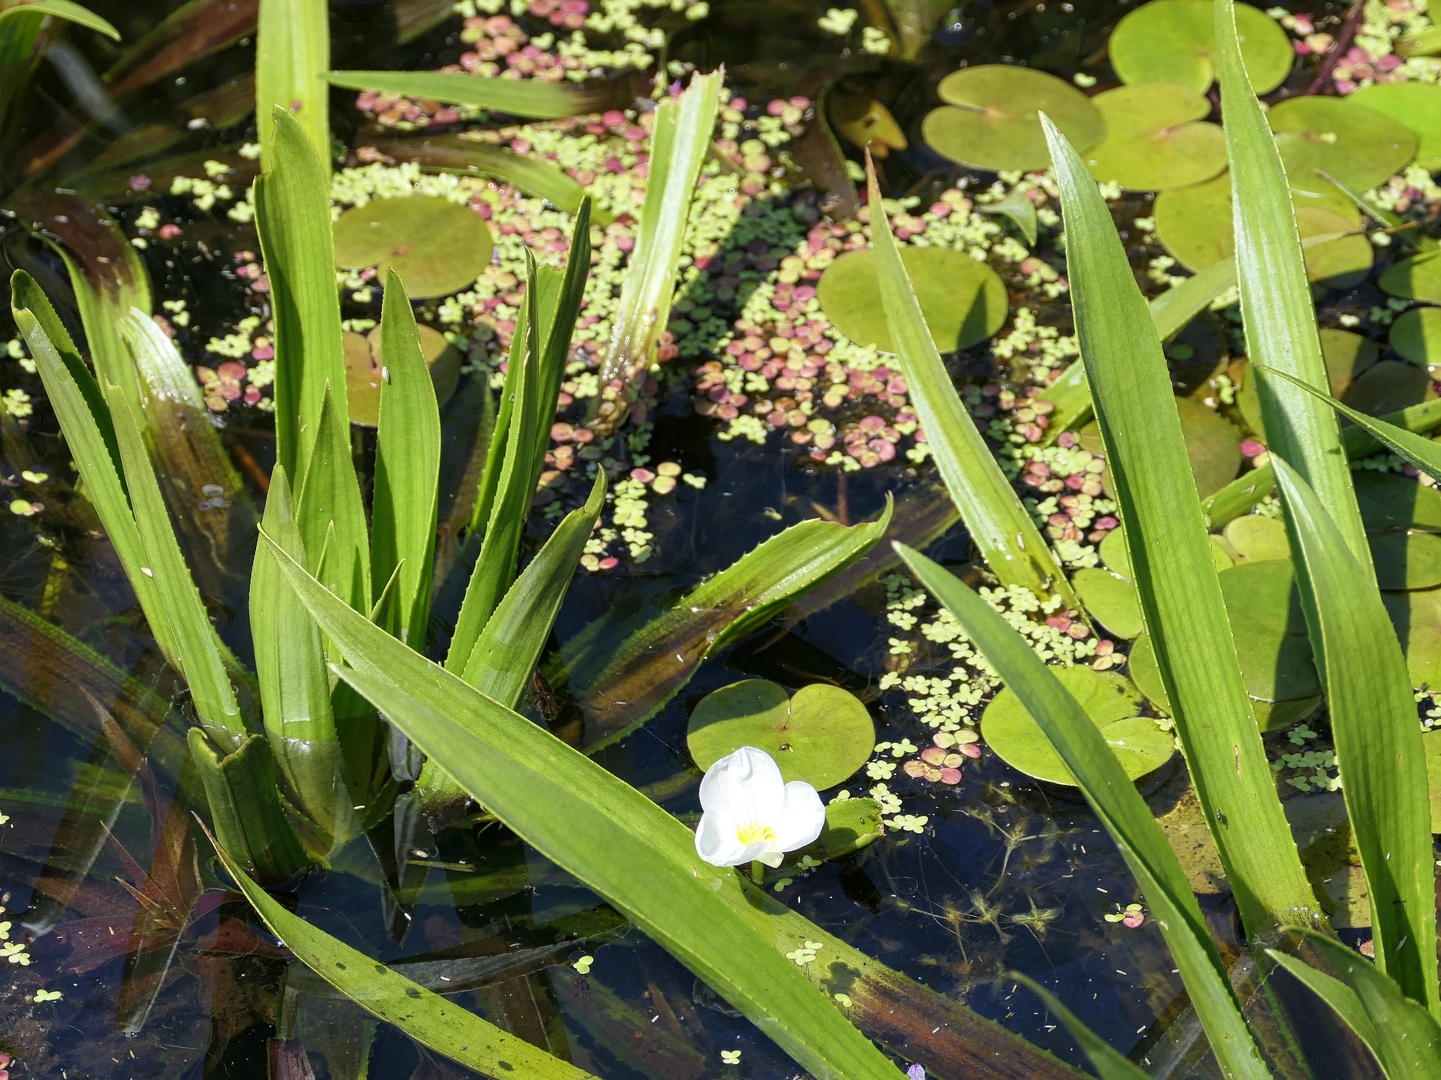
[(749, 814), (1175, 41), (1359, 146), (992, 117), (1156, 137), (821, 735), (435, 245)]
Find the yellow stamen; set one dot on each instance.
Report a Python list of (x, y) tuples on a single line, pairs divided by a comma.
[(751, 834)]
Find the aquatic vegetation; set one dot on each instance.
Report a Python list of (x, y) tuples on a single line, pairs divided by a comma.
[(822, 735)]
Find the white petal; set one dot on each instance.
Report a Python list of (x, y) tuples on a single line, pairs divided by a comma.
[(744, 788), (802, 819), (772, 858), (717, 843)]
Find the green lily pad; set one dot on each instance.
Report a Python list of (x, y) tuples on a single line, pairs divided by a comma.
[(1416, 106), (1358, 146), (1264, 606), (1414, 278), (990, 120), (821, 735), (1156, 138), (1109, 700), (1175, 40), (1406, 560), (1111, 600), (1196, 226), (1114, 554), (1390, 501), (436, 246), (963, 300), (1390, 385), (364, 367), (1342, 263), (1347, 356), (1256, 538), (1416, 335), (1212, 442), (1146, 673), (851, 824), (1416, 615)]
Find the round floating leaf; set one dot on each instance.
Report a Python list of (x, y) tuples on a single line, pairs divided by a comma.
[(1139, 745), (1415, 278), (1416, 335), (1146, 674), (991, 122), (1390, 385), (1358, 146), (1417, 618), (821, 735), (1406, 560), (1347, 356), (1114, 554), (1175, 40), (851, 824), (364, 367), (1156, 138), (436, 246), (1390, 501), (1221, 554), (1264, 607), (963, 300), (1212, 442), (1109, 700), (1341, 263), (1196, 226), (1416, 106), (1111, 600), (1256, 538)]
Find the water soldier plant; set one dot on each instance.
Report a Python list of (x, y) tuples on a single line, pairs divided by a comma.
[(394, 697)]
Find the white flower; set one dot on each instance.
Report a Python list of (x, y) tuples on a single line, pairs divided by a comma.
[(751, 814)]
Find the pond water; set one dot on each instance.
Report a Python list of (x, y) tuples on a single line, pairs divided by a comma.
[(1003, 874)]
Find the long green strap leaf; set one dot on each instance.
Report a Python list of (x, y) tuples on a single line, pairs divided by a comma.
[(407, 468), (64, 9), (679, 145), (1335, 993), (528, 98), (1237, 497), (1408, 1040), (244, 803), (1378, 744), (1109, 1062), (190, 628), (999, 525), (422, 1014), (294, 682), (1279, 315), (1419, 450), (292, 216), (560, 325), (330, 494), (1119, 807), (1170, 312), (1175, 574), (292, 54), (504, 657), (597, 827), (500, 547)]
